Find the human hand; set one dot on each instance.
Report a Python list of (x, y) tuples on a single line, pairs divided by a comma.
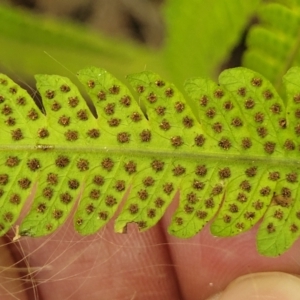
[(148, 265)]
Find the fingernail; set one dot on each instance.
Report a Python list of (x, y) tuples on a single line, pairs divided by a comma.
[(263, 286)]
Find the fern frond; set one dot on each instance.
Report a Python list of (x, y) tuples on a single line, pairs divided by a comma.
[(232, 153), (193, 27), (274, 44)]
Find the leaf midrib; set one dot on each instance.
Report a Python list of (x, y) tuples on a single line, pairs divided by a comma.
[(157, 153)]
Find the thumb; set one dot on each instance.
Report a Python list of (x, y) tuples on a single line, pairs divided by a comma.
[(262, 286)]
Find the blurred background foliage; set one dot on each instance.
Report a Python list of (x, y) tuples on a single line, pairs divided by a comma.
[(178, 39)]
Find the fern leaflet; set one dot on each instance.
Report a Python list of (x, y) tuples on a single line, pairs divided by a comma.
[(231, 151), (273, 45)]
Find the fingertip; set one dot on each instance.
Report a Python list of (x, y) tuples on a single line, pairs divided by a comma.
[(263, 286)]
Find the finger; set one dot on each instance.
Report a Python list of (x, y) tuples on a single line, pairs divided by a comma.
[(205, 264), (12, 285), (263, 286), (103, 266)]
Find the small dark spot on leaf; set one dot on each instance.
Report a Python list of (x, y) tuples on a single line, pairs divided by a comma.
[(224, 143), (169, 92), (227, 219), (209, 203), (164, 125), (217, 190), (71, 135), (159, 202), (43, 133), (217, 127), (245, 186), (123, 137), (148, 181), (211, 112), (98, 180), (57, 214), (176, 141), (73, 101), (90, 209), (15, 199), (8, 217), (55, 106), (265, 191), (64, 120), (251, 172), (257, 82), (241, 91), (114, 90), (224, 173), (101, 95), (49, 94), (82, 115), (159, 83), (103, 215), (62, 161), (93, 133), (249, 215), (73, 184), (269, 147), (258, 205), (262, 131), (145, 135), (203, 101), (107, 164), (17, 134), (125, 101), (198, 185), (201, 214), (3, 179), (179, 106), (130, 167), (120, 185), (267, 94), (192, 198), (259, 117), (33, 164), (41, 208), (143, 194), (32, 114), (12, 161), (47, 193), (133, 208), (241, 197), (65, 198), (292, 177), (157, 165), (109, 109), (199, 140), (95, 194), (249, 103), (52, 178), (91, 84), (228, 105), (110, 201), (271, 228), (82, 165), (289, 145), (168, 188), (65, 88), (201, 170)]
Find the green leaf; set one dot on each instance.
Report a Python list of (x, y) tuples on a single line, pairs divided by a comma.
[(31, 43), (203, 36), (273, 44), (231, 151)]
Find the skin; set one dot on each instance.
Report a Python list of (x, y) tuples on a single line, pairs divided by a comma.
[(148, 265)]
